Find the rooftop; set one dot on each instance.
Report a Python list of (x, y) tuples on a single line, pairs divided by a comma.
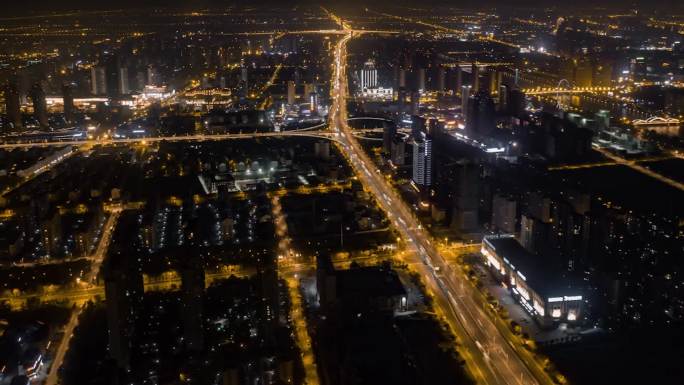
[(539, 272), (369, 282)]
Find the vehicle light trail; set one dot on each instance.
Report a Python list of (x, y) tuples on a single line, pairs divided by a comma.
[(490, 351)]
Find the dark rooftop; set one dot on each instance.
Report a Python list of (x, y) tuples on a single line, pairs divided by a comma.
[(369, 282), (540, 273)]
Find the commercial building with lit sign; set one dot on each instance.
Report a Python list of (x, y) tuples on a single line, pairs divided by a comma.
[(544, 292)]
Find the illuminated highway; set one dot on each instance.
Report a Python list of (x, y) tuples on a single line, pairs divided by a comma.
[(305, 132), (309, 132), (301, 331), (490, 351), (98, 258)]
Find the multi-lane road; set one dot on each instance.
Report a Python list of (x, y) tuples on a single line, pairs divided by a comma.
[(98, 258), (491, 354)]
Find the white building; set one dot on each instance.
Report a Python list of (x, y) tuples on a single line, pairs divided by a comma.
[(368, 76), (422, 161)]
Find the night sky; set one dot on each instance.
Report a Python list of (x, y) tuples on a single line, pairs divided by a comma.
[(32, 6)]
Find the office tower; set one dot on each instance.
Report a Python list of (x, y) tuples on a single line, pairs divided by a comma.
[(504, 214), (98, 80), (39, 105), (192, 292), (480, 116), (68, 102), (291, 92), (441, 79), (465, 218), (123, 294), (422, 161), (368, 76), (124, 85), (475, 74), (13, 105), (402, 78), (420, 79)]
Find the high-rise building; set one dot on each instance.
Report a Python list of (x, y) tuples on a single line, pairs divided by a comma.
[(124, 84), (459, 81), (389, 131), (39, 105), (480, 115), (493, 85), (418, 126), (401, 100), (13, 106), (267, 273), (415, 103), (322, 150), (398, 151), (153, 76), (313, 102), (368, 76), (603, 119), (475, 74), (499, 80), (504, 214), (192, 292), (291, 92), (244, 75), (422, 161), (68, 102), (123, 295), (503, 98), (465, 216), (441, 79), (516, 101), (420, 79), (309, 89), (465, 96), (98, 80)]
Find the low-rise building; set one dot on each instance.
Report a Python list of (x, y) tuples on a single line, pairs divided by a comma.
[(546, 293)]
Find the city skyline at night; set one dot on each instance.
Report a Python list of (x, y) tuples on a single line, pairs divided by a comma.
[(342, 193)]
